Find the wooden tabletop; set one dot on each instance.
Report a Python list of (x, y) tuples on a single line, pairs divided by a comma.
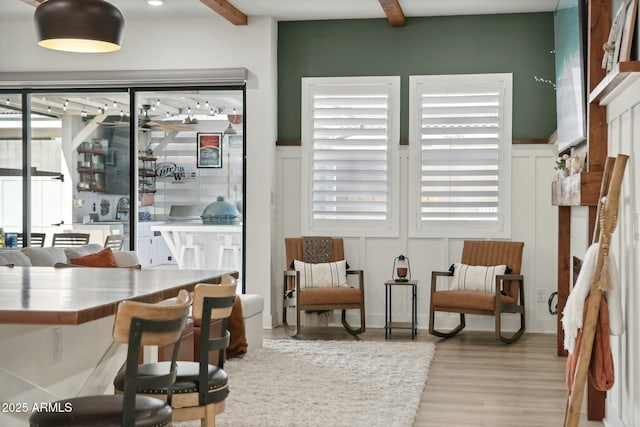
[(70, 296)]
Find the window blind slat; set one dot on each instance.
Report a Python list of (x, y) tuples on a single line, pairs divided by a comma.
[(350, 131)]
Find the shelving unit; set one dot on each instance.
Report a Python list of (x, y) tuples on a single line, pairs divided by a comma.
[(583, 189), (92, 157), (146, 174), (146, 180)]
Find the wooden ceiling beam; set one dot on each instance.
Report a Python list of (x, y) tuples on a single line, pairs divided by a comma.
[(394, 12), (227, 11), (221, 7), (34, 3)]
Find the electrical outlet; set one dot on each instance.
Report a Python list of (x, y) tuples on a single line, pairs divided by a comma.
[(541, 295), (56, 339)]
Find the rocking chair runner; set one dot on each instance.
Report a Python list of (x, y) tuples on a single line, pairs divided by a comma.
[(509, 288), (317, 299)]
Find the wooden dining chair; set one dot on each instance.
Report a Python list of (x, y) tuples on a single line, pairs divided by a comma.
[(68, 240), (200, 388), (136, 324), (115, 242), (36, 239)]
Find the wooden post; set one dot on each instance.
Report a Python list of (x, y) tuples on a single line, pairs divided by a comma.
[(608, 217)]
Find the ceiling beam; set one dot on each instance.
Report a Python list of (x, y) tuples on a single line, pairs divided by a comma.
[(393, 11), (227, 11), (221, 7)]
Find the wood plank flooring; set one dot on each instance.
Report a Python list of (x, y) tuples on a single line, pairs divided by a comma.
[(476, 381)]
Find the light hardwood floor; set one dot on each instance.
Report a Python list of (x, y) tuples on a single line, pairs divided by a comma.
[(476, 381)]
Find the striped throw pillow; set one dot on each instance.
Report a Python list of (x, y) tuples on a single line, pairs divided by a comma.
[(322, 275), (476, 277)]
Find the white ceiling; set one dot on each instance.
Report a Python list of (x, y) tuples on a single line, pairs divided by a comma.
[(288, 10)]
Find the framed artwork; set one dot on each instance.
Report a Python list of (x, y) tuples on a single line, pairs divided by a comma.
[(209, 145), (612, 46), (627, 31)]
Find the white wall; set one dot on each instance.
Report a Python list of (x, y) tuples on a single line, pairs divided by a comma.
[(195, 43), (623, 401), (534, 221)]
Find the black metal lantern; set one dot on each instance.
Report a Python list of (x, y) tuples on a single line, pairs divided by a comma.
[(401, 269)]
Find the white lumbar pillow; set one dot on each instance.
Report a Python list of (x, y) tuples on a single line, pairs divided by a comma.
[(476, 277), (322, 275)]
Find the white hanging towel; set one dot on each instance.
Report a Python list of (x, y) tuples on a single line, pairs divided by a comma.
[(574, 308)]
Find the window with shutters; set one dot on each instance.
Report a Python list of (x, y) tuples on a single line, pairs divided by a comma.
[(350, 137), (460, 155)]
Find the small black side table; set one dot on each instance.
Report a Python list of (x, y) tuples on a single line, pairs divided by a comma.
[(388, 323)]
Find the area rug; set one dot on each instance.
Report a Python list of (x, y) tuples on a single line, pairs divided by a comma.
[(300, 383)]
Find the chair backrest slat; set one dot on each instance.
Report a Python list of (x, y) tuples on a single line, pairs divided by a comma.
[(115, 242), (70, 239), (127, 310), (36, 239)]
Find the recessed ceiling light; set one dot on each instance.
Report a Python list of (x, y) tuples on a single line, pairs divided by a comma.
[(155, 2)]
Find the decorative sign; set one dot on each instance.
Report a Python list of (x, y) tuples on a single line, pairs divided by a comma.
[(209, 150), (171, 170)]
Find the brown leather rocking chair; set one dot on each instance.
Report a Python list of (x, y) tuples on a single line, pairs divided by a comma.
[(320, 299), (507, 297)]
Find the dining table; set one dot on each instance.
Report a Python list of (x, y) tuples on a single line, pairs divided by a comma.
[(56, 328)]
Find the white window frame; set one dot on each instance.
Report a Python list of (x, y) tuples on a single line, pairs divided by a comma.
[(500, 228), (388, 227)]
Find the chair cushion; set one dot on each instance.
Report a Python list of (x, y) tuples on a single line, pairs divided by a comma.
[(45, 257), (469, 300), (313, 296), (104, 411), (15, 258), (476, 277), (186, 378), (322, 275), (104, 258)]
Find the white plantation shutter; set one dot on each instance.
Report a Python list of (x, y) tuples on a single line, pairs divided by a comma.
[(350, 138), (461, 128)]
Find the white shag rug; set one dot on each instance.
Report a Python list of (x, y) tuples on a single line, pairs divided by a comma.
[(298, 383)]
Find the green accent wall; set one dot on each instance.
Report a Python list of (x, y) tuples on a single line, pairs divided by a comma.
[(510, 43)]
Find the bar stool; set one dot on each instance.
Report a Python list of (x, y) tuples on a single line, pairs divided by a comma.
[(136, 324), (190, 244), (228, 246)]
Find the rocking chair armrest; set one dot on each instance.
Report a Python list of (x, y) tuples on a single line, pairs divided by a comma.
[(291, 274), (508, 277), (518, 277), (434, 278), (360, 274)]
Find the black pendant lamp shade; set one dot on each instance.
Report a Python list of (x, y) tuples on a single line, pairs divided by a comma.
[(79, 25)]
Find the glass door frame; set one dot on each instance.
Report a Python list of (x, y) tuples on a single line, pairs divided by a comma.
[(27, 84)]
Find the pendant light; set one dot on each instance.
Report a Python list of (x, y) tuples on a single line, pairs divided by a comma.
[(230, 130), (86, 26)]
